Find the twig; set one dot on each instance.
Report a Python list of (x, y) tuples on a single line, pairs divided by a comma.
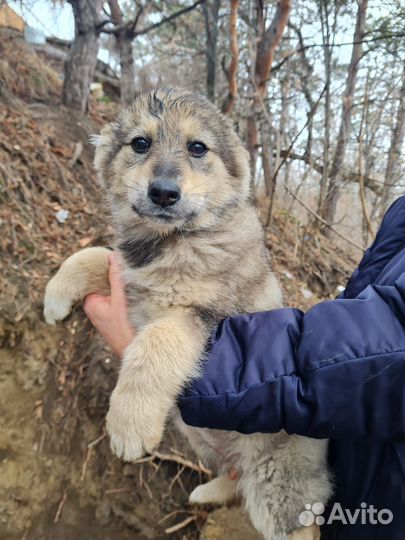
[(157, 468), (89, 450), (141, 476), (180, 525), (175, 459), (146, 459), (175, 451), (171, 514), (96, 441), (148, 489), (175, 512), (183, 489), (117, 490), (167, 19), (181, 461), (59, 510), (85, 463), (175, 478)]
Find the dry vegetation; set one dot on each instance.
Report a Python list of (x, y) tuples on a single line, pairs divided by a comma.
[(59, 479)]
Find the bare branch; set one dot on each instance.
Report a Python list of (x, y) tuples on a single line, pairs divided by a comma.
[(116, 13), (100, 25), (278, 66), (167, 19), (134, 23)]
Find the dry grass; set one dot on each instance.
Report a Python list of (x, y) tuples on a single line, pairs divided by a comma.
[(23, 73)]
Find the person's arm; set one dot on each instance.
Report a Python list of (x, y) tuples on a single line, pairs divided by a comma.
[(337, 371)]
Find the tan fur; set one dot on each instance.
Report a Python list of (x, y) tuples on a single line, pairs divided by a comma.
[(201, 262), (77, 275), (306, 533)]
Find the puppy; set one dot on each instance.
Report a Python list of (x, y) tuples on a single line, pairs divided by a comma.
[(176, 177)]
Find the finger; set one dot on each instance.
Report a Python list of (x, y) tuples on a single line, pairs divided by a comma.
[(95, 303), (116, 281)]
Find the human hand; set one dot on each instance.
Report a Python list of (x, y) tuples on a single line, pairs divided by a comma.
[(109, 314)]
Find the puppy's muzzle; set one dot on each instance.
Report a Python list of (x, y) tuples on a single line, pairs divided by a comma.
[(164, 193)]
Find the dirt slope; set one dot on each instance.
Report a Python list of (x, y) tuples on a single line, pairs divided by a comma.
[(55, 382)]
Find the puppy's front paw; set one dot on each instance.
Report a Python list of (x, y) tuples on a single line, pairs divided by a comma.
[(132, 432), (57, 304)]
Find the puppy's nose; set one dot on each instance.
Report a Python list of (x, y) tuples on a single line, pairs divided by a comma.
[(164, 192)]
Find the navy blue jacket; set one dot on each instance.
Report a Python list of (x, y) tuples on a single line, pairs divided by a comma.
[(335, 372)]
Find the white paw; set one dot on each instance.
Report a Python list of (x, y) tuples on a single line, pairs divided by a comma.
[(56, 306), (200, 495), (126, 446), (132, 435), (218, 491)]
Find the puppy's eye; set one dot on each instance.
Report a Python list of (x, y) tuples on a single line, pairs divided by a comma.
[(141, 145), (197, 149)]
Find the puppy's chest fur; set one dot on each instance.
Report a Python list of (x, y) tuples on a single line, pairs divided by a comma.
[(212, 273)]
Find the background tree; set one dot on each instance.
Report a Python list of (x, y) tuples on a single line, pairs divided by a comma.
[(124, 35), (232, 70), (82, 59), (393, 170), (211, 14), (328, 211), (268, 37)]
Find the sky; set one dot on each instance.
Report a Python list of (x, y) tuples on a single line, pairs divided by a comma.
[(53, 19)]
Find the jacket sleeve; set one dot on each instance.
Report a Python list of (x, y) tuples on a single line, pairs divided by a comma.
[(337, 371)]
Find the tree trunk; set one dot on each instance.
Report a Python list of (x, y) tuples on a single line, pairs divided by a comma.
[(252, 145), (82, 59), (232, 72), (127, 78), (124, 36), (267, 158), (324, 12), (211, 11), (306, 78), (393, 169), (268, 40), (335, 178)]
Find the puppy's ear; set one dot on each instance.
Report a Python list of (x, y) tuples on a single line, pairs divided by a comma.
[(103, 143)]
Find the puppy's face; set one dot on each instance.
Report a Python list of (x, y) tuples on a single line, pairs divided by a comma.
[(171, 161)]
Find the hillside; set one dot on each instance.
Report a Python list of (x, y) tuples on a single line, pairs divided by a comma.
[(59, 479)]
